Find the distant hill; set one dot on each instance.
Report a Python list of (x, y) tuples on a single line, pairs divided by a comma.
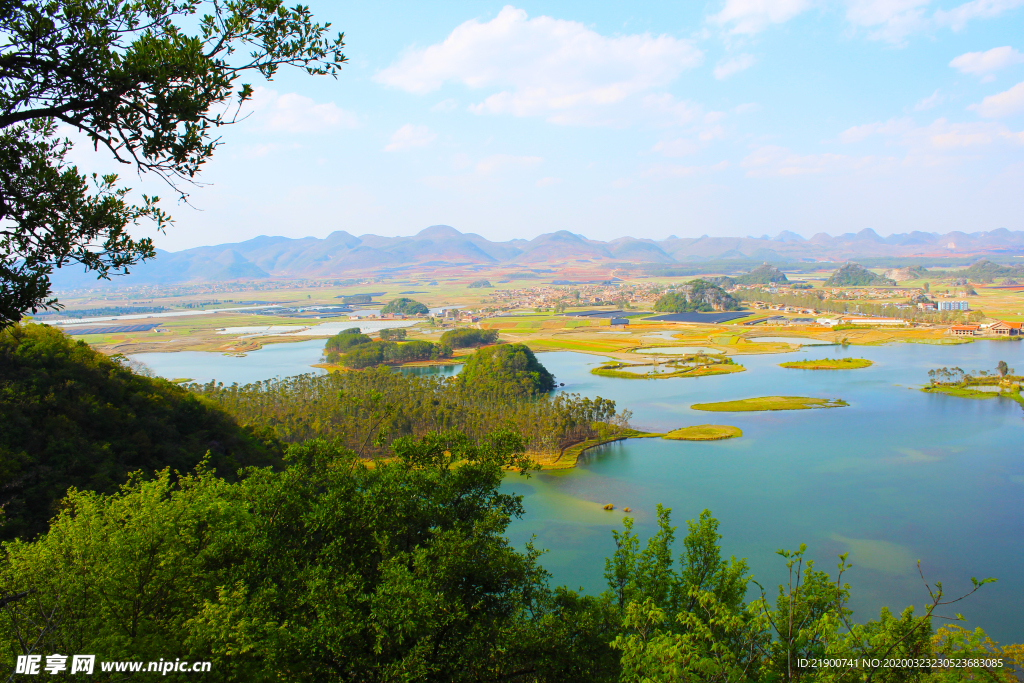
[(344, 255), (986, 271), (762, 275), (855, 275)]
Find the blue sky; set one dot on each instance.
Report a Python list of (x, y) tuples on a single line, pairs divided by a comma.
[(735, 117)]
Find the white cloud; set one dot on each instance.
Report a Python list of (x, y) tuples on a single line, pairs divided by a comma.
[(772, 161), (958, 17), (548, 182), (547, 67), (890, 127), (754, 16), (888, 20), (496, 162), (294, 113), (938, 139), (930, 102), (409, 136), (984, 63), (1007, 103), (748, 108), (734, 65)]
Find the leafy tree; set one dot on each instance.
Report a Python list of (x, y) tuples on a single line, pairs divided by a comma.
[(459, 339), (404, 306), (1002, 368), (343, 342), (74, 417), (136, 81), (506, 369), (397, 334)]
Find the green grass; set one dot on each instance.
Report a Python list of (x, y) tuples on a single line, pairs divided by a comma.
[(704, 433), (771, 403), (829, 364), (962, 392), (612, 369)]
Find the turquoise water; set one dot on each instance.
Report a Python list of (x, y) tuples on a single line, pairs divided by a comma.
[(273, 360), (897, 476)]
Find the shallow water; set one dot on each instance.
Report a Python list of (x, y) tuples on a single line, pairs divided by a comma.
[(897, 476), (273, 360)]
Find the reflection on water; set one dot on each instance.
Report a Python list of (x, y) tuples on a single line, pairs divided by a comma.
[(897, 476), (433, 370)]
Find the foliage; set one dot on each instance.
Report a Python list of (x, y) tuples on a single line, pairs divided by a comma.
[(696, 295), (396, 334), (985, 271), (855, 275), (343, 342), (74, 417), (466, 337), (367, 410), (328, 570), (331, 570), (478, 284), (404, 306), (393, 353), (506, 370), (132, 79)]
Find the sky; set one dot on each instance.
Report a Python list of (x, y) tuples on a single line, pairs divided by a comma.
[(730, 118)]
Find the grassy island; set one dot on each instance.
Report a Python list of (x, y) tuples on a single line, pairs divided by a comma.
[(704, 433), (771, 403), (684, 367), (828, 364)]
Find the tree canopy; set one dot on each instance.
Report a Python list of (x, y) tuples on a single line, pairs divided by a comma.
[(507, 368), (467, 336), (74, 417), (404, 306), (149, 82), (855, 275)]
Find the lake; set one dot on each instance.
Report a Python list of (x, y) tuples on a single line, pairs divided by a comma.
[(897, 476), (273, 360)]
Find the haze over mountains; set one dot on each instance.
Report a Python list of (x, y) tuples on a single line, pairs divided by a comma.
[(342, 255)]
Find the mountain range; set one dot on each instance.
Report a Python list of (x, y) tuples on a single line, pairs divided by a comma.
[(342, 255)]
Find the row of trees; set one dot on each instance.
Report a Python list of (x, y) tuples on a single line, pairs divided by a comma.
[(330, 570), (467, 336)]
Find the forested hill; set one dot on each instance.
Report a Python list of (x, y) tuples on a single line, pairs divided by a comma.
[(74, 417)]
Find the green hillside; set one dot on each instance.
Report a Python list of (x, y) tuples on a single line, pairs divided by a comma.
[(74, 417)]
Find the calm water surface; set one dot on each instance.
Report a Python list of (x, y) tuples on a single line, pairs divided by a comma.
[(897, 476), (273, 360)]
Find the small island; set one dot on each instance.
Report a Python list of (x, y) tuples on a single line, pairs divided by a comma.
[(829, 364), (704, 433), (771, 403), (695, 365)]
